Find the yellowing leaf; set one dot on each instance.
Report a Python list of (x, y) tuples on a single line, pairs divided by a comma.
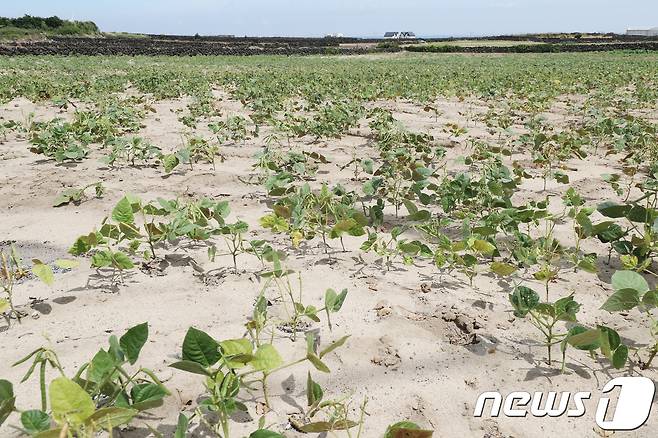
[(43, 272), (4, 305), (266, 358), (483, 247), (69, 402), (67, 264), (502, 269)]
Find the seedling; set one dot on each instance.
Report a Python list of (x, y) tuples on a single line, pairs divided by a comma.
[(637, 244), (335, 413), (544, 316), (101, 396), (392, 248), (77, 195), (228, 366), (13, 271), (131, 151), (134, 224), (305, 214), (632, 291), (233, 235)]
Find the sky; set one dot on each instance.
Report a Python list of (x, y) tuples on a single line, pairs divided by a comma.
[(349, 17)]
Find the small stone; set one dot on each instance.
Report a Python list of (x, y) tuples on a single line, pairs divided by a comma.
[(449, 315), (384, 312), (464, 323), (425, 288), (35, 315), (380, 304)]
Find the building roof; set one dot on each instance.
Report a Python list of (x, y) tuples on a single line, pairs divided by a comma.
[(392, 34)]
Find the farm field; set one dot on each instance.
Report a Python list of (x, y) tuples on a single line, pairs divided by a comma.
[(323, 244), (485, 43)]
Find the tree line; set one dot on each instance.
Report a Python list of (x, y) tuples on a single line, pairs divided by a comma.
[(50, 24)]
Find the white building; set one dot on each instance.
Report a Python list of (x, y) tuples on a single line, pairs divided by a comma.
[(399, 36), (642, 31)]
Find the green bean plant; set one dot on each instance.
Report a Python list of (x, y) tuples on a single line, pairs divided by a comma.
[(13, 271), (131, 151), (632, 291), (102, 395), (77, 195)]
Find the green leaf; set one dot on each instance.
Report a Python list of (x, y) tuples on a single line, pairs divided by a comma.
[(624, 299), (132, 342), (561, 177), (332, 301), (266, 358), (610, 341), (43, 272), (264, 433), (147, 396), (613, 210), (566, 309), (69, 402), (7, 400), (503, 269), (420, 216), (199, 347), (640, 214), (62, 199), (123, 211), (523, 300), (344, 226), (334, 345), (122, 261), (190, 367), (110, 417), (317, 363), (101, 366), (620, 356), (650, 299), (583, 339), (629, 280), (181, 426), (409, 248), (406, 429), (35, 421), (314, 391), (170, 162), (101, 259), (589, 265)]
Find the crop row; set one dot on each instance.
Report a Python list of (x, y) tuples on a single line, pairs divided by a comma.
[(536, 48), (173, 47)]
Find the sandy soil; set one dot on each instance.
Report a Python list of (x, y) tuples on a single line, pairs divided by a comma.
[(423, 346)]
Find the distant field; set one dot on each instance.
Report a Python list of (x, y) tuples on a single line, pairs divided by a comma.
[(483, 43)]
